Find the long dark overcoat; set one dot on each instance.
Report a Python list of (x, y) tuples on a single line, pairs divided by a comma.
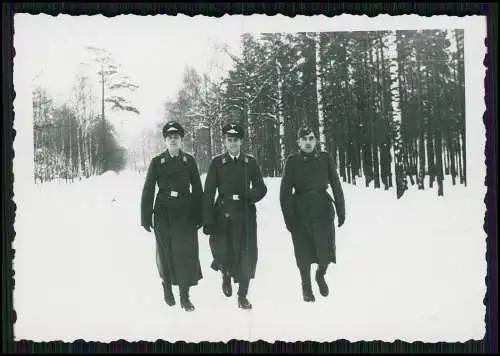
[(233, 241), (308, 209), (175, 215)]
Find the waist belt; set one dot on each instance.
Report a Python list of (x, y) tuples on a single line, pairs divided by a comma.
[(311, 191), (173, 193), (234, 197)]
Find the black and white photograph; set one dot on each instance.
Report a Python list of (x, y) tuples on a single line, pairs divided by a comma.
[(249, 178)]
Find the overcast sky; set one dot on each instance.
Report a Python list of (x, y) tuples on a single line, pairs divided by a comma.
[(151, 50)]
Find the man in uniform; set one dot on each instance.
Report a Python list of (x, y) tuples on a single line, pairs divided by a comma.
[(231, 221), (308, 210), (175, 216)]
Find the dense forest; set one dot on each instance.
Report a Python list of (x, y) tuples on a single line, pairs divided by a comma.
[(389, 106)]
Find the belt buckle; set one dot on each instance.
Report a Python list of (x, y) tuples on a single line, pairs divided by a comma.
[(174, 194), (236, 197)]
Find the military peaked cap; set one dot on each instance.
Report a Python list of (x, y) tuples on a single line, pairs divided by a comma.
[(172, 127), (304, 131), (232, 129)]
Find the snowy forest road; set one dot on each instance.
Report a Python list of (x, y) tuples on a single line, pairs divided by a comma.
[(411, 269)]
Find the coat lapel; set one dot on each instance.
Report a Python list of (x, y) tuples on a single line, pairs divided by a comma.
[(170, 166)]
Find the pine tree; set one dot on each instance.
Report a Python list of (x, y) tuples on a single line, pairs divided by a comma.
[(111, 80)]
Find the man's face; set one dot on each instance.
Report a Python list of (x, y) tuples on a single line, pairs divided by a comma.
[(307, 143), (233, 144), (173, 142)]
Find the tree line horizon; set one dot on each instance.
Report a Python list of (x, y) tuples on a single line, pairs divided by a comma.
[(389, 106)]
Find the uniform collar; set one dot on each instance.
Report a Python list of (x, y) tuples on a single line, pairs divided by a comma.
[(230, 156), (306, 155), (242, 157), (169, 156)]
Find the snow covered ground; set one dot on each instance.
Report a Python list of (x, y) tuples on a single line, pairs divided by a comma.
[(410, 269)]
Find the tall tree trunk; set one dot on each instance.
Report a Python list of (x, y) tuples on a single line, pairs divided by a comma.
[(446, 155), (193, 139), (35, 146), (459, 159), (438, 134), (420, 116), (78, 153), (210, 134), (399, 166), (364, 112), (387, 110), (319, 90), (374, 119), (63, 153), (461, 80), (403, 89), (251, 131), (344, 119), (450, 148), (90, 152), (430, 135), (281, 118), (104, 158), (70, 136), (458, 151)]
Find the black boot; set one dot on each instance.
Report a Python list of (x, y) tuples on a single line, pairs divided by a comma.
[(185, 302), (307, 293), (320, 279), (227, 288), (243, 302), (167, 294)]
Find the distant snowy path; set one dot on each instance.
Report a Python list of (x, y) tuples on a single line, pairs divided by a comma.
[(411, 269)]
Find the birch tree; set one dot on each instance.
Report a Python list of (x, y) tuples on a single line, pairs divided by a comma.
[(281, 117), (321, 128), (399, 168)]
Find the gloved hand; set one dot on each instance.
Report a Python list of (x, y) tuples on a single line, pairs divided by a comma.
[(147, 227), (208, 229), (341, 220)]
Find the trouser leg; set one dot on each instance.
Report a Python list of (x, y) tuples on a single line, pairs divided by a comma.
[(166, 283), (320, 279), (243, 287), (242, 294), (184, 294), (305, 276), (226, 284), (321, 271), (244, 282), (167, 293), (183, 290)]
